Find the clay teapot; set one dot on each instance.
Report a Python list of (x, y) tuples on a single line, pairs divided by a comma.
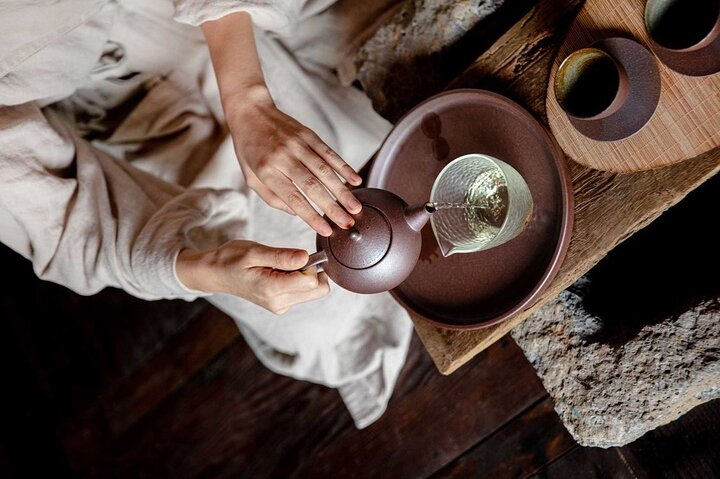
[(380, 250)]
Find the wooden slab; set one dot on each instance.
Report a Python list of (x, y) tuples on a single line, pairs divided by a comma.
[(608, 207), (685, 124)]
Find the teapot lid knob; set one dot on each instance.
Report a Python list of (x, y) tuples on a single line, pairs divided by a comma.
[(365, 244)]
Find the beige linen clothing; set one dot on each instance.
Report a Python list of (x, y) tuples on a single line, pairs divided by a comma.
[(114, 157)]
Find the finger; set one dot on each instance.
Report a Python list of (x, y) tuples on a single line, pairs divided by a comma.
[(332, 158), (287, 259), (290, 300), (316, 191), (265, 193), (328, 177), (282, 282), (286, 190), (273, 200)]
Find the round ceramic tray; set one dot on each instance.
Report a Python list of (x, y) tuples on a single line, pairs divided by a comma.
[(470, 291)]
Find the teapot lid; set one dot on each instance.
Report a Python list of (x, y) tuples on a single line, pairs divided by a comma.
[(365, 244)]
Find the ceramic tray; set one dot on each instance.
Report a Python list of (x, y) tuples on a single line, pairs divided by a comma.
[(470, 291)]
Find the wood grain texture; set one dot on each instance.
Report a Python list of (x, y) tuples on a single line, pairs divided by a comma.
[(609, 207), (529, 442), (426, 429), (590, 463), (685, 124), (238, 419), (231, 417), (130, 399), (684, 449)]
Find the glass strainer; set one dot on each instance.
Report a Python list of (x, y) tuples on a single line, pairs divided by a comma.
[(480, 202)]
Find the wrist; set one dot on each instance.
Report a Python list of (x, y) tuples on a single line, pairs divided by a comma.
[(194, 270), (244, 101)]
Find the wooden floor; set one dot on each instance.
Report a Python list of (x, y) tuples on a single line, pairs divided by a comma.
[(110, 386)]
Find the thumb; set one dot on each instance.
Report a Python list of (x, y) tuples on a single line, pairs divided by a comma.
[(287, 259)]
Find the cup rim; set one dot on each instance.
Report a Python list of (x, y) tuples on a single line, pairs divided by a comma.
[(620, 95), (708, 39)]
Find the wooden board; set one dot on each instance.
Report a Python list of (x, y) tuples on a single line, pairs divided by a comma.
[(608, 207), (232, 417), (685, 124), (426, 429), (528, 443), (590, 463), (238, 419)]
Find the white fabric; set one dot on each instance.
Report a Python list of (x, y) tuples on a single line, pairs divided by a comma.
[(113, 157)]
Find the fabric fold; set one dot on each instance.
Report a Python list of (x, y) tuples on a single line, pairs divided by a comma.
[(114, 157), (268, 15)]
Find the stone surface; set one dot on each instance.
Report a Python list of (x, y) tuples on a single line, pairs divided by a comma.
[(608, 392), (425, 45)]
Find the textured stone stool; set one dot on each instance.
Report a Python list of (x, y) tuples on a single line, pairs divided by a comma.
[(609, 392)]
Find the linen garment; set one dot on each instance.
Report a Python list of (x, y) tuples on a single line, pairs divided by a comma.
[(114, 156)]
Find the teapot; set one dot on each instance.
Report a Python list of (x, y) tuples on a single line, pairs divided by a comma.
[(380, 251)]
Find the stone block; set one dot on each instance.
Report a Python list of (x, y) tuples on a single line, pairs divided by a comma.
[(609, 393)]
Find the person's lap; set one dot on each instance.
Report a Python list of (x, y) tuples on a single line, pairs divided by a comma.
[(158, 107)]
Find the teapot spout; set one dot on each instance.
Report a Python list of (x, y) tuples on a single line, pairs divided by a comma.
[(417, 216)]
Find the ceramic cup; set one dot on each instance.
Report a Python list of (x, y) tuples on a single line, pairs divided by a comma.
[(590, 85), (685, 34)]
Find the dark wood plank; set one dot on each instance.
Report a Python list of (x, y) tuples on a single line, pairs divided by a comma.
[(530, 441), (688, 448), (429, 427), (29, 447), (235, 419), (83, 359), (80, 347), (317, 417), (183, 355), (589, 463)]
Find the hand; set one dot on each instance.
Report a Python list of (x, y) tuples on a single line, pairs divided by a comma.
[(283, 162), (263, 275)]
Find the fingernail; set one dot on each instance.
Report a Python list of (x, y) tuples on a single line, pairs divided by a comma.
[(325, 230), (354, 203)]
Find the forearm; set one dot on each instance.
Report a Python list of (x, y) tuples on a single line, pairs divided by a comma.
[(235, 60), (283, 161)]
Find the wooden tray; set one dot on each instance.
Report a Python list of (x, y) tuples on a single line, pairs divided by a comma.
[(685, 124)]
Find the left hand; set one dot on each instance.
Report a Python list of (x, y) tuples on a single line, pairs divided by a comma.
[(284, 161)]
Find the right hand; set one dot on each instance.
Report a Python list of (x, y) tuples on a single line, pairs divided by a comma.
[(266, 276)]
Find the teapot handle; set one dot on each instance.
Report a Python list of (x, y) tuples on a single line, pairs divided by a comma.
[(317, 260)]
